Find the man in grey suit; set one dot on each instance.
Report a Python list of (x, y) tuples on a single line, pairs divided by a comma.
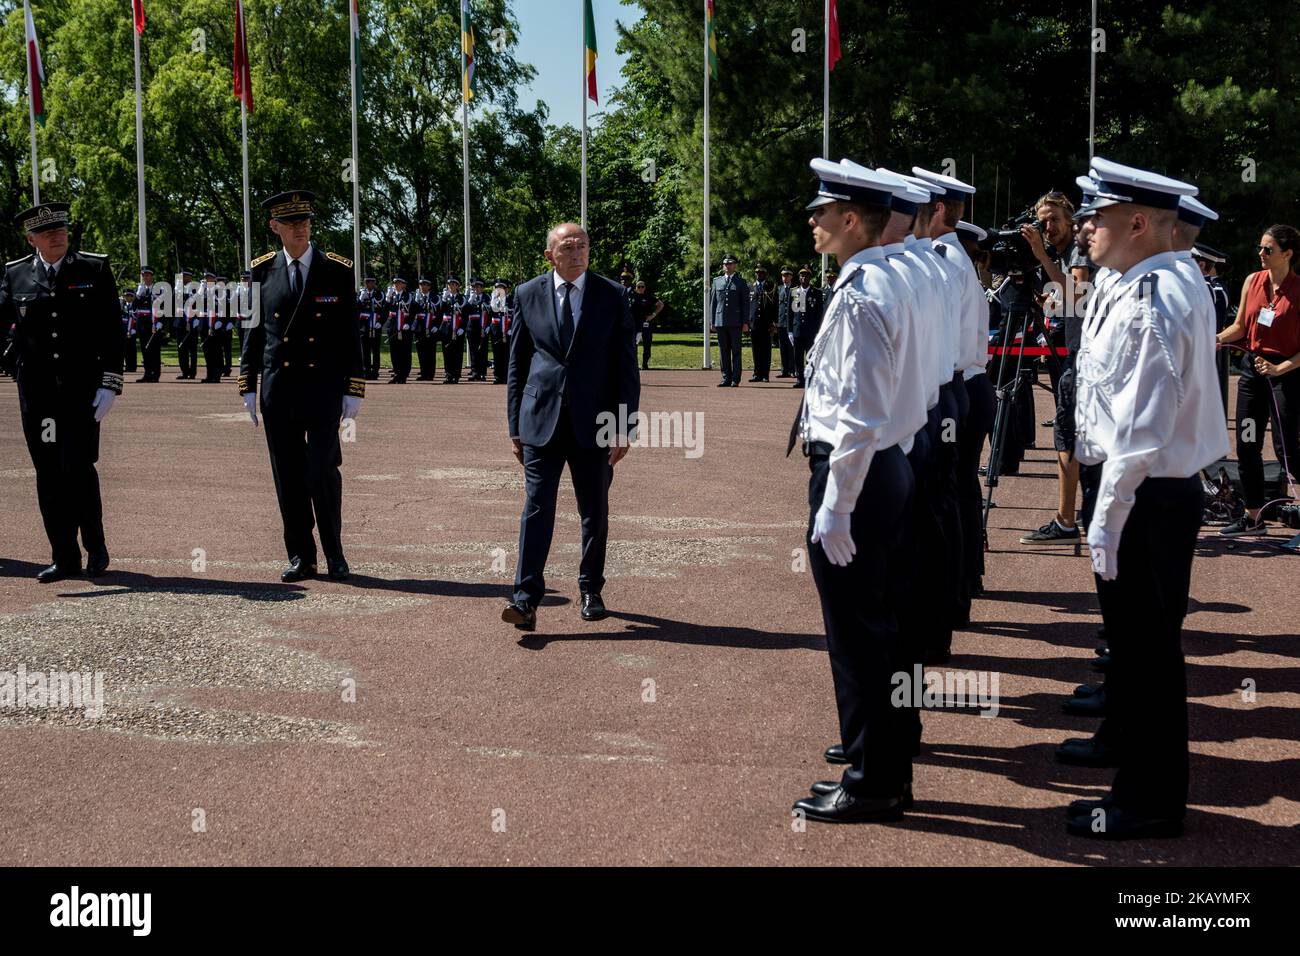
[(730, 318), (572, 394)]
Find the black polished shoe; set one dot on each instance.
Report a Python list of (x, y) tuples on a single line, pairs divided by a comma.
[(1084, 807), (724, 384), (298, 570), (835, 754), (1119, 823), (521, 615), (1101, 663), (1094, 705), (57, 572), (96, 564), (838, 806), (827, 786), (1087, 752), (339, 570), (593, 608)]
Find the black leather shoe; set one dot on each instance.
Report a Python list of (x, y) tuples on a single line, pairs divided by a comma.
[(1084, 807), (339, 570), (1089, 704), (827, 786), (1101, 663), (1087, 752), (1119, 823), (736, 384), (724, 384), (298, 570), (521, 615), (835, 754), (96, 564), (593, 608), (57, 572), (839, 806)]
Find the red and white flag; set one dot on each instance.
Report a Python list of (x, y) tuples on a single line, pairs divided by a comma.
[(242, 69), (137, 10), (35, 69)]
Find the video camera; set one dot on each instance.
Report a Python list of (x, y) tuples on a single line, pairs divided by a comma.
[(1009, 252)]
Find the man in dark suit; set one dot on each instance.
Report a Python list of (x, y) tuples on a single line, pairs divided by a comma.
[(762, 320), (805, 321), (306, 346), (572, 390), (66, 355), (730, 318), (784, 320)]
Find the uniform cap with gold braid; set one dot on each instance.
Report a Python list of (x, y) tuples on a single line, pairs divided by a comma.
[(46, 215), (291, 206)]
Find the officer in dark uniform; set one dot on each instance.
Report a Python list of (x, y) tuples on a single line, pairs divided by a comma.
[(189, 326), (398, 304), (1210, 261), (226, 324), (762, 319), (625, 280), (370, 320), (476, 309), (243, 303), (151, 329), (423, 320), (66, 355), (307, 350), (500, 309), (645, 310), (807, 312), (829, 285), (784, 320), (730, 319), (450, 306), (129, 334), (214, 322)]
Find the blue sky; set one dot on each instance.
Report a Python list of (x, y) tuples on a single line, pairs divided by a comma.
[(550, 40)]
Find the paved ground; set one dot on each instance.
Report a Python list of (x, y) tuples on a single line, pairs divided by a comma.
[(394, 719)]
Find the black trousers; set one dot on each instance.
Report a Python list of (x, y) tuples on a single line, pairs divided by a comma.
[(924, 620), (305, 460), (953, 407), (500, 359), (1256, 395), (187, 353), (1089, 485), (399, 353), (591, 473), (213, 360), (647, 339), (426, 350), (151, 356), (800, 350), (760, 341), (729, 352), (371, 341), (453, 356), (1143, 610), (225, 336), (129, 354), (970, 500), (787, 351), (859, 609), (63, 440), (478, 352)]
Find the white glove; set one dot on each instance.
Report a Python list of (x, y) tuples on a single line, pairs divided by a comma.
[(250, 406), (351, 406), (104, 399), (831, 529), (791, 335), (1104, 550)]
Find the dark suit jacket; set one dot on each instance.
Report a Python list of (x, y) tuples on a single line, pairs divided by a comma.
[(805, 325), (597, 374), (307, 348)]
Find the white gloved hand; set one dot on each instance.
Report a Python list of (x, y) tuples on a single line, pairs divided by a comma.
[(104, 399), (1104, 551), (791, 336), (250, 406), (351, 406), (831, 530)]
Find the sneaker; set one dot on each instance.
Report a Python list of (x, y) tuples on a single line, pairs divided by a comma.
[(1242, 526), (1051, 533)]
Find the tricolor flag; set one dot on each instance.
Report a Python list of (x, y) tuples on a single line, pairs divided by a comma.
[(354, 14), (713, 40), (137, 9), (589, 31), (243, 71), (35, 70), (832, 37), (467, 85)]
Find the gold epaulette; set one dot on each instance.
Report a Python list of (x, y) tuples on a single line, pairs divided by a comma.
[(338, 258), (260, 259)]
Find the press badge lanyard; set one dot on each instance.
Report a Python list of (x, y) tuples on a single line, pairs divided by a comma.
[(1267, 314)]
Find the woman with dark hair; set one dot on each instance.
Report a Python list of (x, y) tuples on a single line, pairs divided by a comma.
[(1269, 389)]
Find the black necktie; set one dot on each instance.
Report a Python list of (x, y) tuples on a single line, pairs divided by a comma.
[(566, 319), (295, 277), (49, 274)]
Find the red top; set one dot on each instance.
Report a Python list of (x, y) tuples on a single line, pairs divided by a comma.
[(1281, 340)]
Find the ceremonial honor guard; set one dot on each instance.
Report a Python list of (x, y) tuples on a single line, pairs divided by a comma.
[(500, 308), (213, 314), (189, 327), (398, 305), (784, 322), (227, 324), (307, 350), (129, 333), (66, 355), (242, 307), (730, 319), (806, 319), (864, 402), (370, 320), (150, 327), (762, 322), (424, 322), (476, 309), (450, 306), (1147, 413)]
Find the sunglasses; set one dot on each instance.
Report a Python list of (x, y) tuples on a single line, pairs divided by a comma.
[(1265, 250)]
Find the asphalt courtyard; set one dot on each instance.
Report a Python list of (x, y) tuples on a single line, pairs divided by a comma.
[(393, 719)]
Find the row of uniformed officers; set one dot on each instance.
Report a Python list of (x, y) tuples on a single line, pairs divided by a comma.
[(895, 414), (204, 320)]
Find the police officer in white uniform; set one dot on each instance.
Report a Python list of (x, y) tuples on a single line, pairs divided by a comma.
[(1147, 412), (859, 412)]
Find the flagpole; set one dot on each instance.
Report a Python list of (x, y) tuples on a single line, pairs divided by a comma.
[(248, 240), (356, 173), (584, 118), (464, 142), (139, 155), (1092, 83), (31, 115), (708, 355), (826, 97)]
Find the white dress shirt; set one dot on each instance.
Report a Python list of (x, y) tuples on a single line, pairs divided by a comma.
[(950, 295), (47, 266), (1198, 288), (924, 287), (575, 296), (1148, 400), (974, 350), (857, 399), (304, 263)]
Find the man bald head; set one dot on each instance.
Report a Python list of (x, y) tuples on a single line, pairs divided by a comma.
[(568, 249)]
